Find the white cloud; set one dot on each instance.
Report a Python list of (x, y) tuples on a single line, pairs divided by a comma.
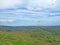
[(57, 4), (38, 4), (20, 17), (37, 10), (5, 20), (30, 4), (9, 3), (54, 14)]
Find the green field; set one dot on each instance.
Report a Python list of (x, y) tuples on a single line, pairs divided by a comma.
[(35, 36)]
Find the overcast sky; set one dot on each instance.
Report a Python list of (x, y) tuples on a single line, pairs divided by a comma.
[(30, 12)]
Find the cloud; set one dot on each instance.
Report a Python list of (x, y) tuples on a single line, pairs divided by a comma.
[(30, 12), (39, 4), (9, 3), (6, 20), (29, 4), (57, 6)]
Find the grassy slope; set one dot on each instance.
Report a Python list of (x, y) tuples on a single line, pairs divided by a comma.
[(32, 37), (12, 39)]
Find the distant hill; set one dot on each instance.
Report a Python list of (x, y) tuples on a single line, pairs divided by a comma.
[(17, 28), (53, 29)]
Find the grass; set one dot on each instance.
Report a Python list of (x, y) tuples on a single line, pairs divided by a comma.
[(32, 37)]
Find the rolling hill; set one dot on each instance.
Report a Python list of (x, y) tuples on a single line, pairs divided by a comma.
[(30, 35)]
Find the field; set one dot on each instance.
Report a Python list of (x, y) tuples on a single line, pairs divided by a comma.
[(30, 35)]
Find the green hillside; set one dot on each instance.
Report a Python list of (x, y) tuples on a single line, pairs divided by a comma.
[(29, 37)]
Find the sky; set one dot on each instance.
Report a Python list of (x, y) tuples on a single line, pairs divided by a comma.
[(30, 12)]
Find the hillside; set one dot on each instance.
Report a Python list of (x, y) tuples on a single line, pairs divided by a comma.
[(35, 36), (53, 29)]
